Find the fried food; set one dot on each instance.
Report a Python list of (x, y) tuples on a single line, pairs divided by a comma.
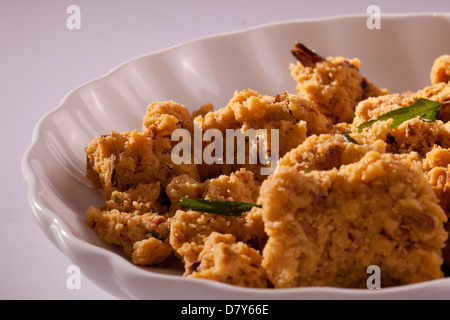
[(333, 83), (335, 223), (189, 229), (340, 199), (294, 117), (223, 259), (328, 151), (412, 135), (143, 237), (440, 71), (119, 161)]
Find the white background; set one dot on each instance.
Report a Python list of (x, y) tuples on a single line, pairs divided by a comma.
[(42, 60)]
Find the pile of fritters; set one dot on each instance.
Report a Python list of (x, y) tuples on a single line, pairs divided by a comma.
[(334, 205)]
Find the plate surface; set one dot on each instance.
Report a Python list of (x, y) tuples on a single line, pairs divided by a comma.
[(398, 56)]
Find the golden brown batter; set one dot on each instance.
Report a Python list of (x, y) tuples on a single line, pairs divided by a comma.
[(341, 198)]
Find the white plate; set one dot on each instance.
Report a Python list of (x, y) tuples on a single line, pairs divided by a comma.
[(398, 56)]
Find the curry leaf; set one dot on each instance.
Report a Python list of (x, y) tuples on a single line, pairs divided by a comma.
[(348, 138), (229, 208)]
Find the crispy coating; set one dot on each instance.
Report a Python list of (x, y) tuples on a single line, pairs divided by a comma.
[(437, 165), (437, 157), (190, 228), (439, 179), (294, 117), (248, 109), (412, 135), (112, 161), (143, 237), (227, 260), (440, 71), (162, 118), (240, 184), (338, 201), (150, 252), (430, 140), (374, 107), (133, 170), (203, 110), (328, 151), (119, 161), (130, 219), (335, 85), (183, 186), (143, 198), (438, 92), (335, 223)]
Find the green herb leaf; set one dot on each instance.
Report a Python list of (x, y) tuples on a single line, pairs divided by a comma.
[(229, 208), (427, 110), (349, 139), (116, 199)]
